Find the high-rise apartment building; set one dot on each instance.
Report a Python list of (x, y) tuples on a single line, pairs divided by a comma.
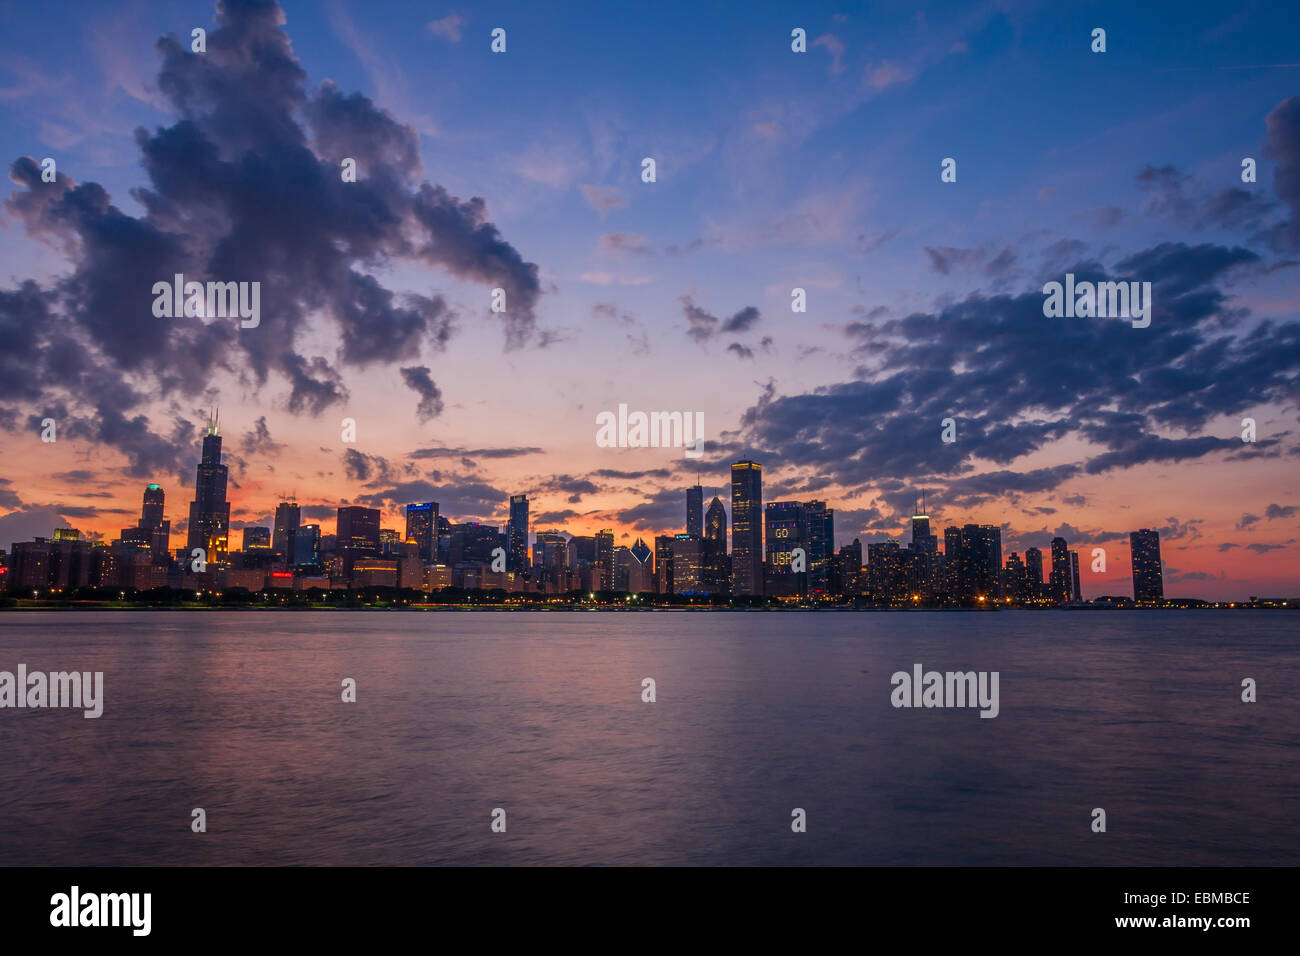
[(1148, 574), (517, 537), (422, 528)]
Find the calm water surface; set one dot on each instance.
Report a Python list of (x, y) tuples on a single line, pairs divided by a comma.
[(757, 713)]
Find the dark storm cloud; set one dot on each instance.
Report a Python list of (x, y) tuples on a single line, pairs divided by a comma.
[(28, 523), (1263, 548), (543, 518), (976, 489), (351, 126), (1016, 382), (947, 259), (1176, 195), (418, 379), (148, 453), (80, 512), (8, 497), (631, 475), (459, 238), (704, 325), (1177, 269), (461, 500), (258, 441), (853, 522), (473, 452), (244, 186), (1151, 448), (24, 312), (315, 385), (570, 485), (358, 466), (1283, 145), (662, 509)]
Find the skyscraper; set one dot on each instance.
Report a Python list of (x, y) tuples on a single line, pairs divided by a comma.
[(582, 550), (422, 528), (357, 535), (304, 544), (1014, 581), (979, 563), (717, 568), (922, 540), (288, 517), (545, 546), (473, 542), (210, 512), (785, 528), (885, 581), (1033, 574), (605, 559), (923, 560), (821, 545), (664, 563), (1076, 591), (847, 578), (952, 560), (517, 539), (746, 528), (1148, 575), (695, 511), (640, 574), (152, 519), (1059, 580), (686, 564)]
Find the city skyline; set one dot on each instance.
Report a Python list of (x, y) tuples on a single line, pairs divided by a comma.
[(776, 170), (971, 566)]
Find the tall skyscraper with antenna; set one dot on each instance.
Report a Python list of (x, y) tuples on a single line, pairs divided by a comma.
[(695, 511), (210, 512)]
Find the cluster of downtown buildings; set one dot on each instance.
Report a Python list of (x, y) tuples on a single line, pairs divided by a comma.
[(784, 550)]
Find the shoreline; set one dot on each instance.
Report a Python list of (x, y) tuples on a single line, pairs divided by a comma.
[(619, 608)]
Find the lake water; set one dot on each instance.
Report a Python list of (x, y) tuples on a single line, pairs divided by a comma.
[(756, 714)]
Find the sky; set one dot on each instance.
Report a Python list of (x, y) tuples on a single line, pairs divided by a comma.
[(775, 170)]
